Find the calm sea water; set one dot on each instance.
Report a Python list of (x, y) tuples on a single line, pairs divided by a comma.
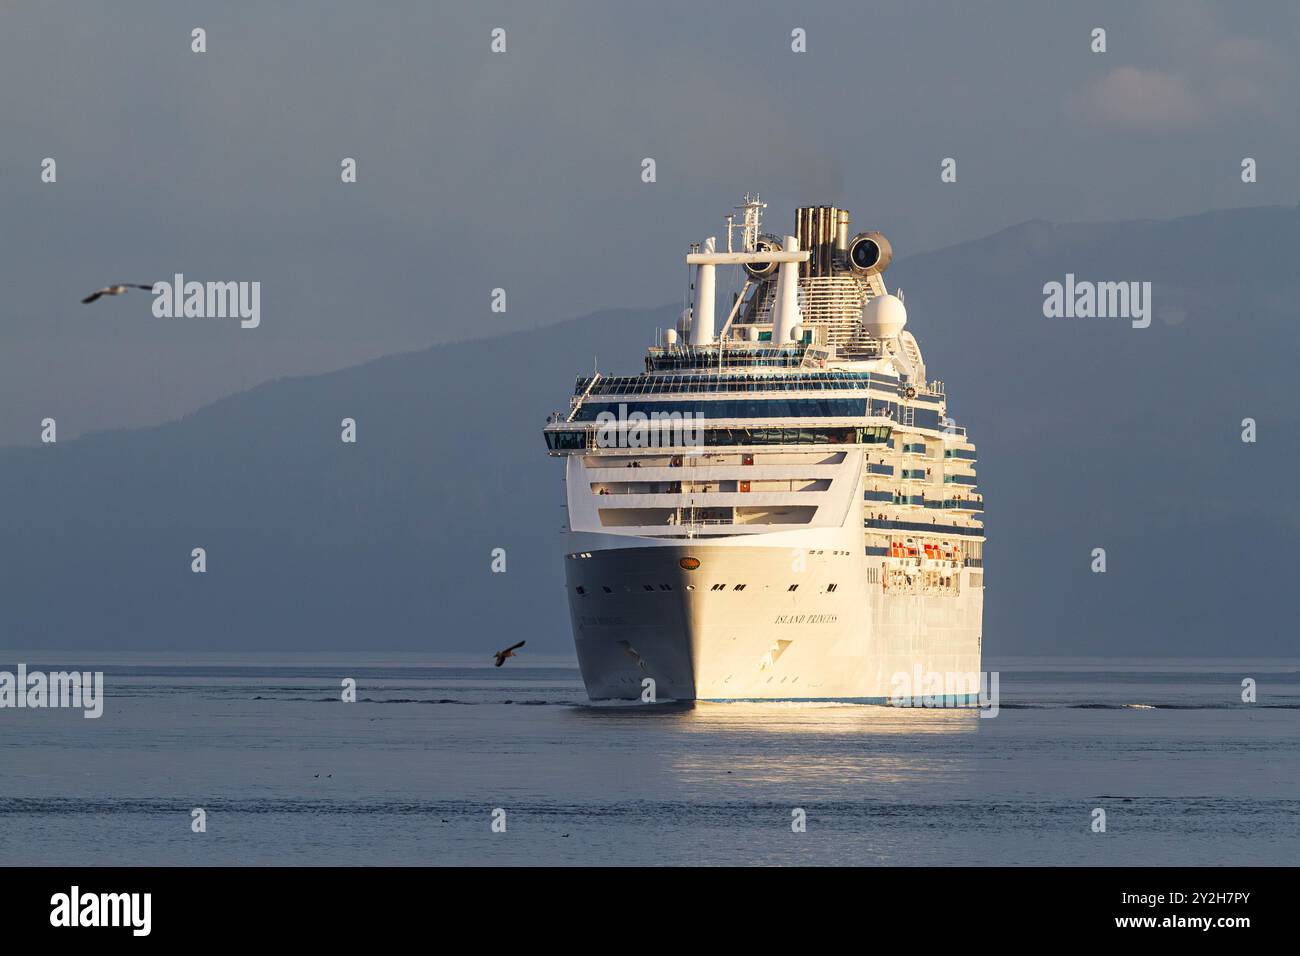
[(411, 772)]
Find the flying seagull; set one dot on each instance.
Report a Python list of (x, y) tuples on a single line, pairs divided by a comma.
[(508, 652), (113, 290)]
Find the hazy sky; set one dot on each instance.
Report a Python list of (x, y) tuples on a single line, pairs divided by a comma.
[(521, 170)]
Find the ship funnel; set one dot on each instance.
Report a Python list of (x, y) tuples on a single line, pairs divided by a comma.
[(787, 297), (823, 231)]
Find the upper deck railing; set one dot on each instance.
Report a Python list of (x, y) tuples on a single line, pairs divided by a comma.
[(672, 357), (837, 379)]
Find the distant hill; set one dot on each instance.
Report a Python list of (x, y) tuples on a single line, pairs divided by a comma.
[(1091, 434)]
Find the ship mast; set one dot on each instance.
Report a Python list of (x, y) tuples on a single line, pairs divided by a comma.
[(752, 207)]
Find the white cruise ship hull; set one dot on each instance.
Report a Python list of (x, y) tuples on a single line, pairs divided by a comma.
[(779, 507), (641, 615)]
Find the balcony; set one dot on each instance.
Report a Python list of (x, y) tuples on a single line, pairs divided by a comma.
[(888, 524)]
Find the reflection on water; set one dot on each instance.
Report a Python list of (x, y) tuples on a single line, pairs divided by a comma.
[(792, 717), (774, 742), (834, 718), (410, 772), (815, 746)]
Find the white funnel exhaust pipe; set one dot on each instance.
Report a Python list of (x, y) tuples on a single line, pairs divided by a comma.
[(702, 330), (787, 297)]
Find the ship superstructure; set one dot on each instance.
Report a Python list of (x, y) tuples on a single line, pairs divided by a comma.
[(778, 506)]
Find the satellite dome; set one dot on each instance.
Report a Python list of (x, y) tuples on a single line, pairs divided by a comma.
[(884, 316)]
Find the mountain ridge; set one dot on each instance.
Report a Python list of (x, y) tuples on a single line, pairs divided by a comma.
[(1091, 434)]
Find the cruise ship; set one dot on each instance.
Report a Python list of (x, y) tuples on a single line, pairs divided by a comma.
[(779, 506)]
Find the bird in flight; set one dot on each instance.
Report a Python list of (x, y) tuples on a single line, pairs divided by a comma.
[(113, 290), (508, 652)]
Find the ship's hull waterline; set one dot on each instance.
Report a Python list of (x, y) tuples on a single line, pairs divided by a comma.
[(640, 615)]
